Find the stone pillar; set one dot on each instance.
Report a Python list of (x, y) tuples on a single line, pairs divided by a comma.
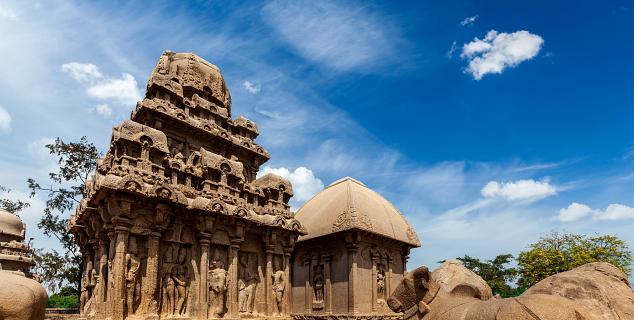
[(122, 230), (388, 278), (205, 239), (352, 275), (328, 284), (268, 277), (375, 260), (150, 285), (287, 278), (307, 291), (234, 249), (110, 280), (103, 271)]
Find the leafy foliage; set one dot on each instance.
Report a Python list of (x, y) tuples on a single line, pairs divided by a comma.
[(494, 272), (559, 252), (67, 297), (13, 206), (77, 161)]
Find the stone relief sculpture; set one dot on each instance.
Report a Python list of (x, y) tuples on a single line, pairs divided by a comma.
[(132, 283), (87, 287), (218, 285), (318, 285), (380, 284), (247, 283), (279, 285)]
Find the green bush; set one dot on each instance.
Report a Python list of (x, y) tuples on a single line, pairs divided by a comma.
[(66, 298)]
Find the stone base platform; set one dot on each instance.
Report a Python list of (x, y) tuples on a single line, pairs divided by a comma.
[(333, 316)]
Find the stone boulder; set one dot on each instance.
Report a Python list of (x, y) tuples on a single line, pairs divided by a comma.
[(452, 273), (600, 287), (21, 298)]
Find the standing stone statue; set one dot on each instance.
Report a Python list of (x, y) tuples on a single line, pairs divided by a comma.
[(318, 284), (180, 280), (218, 285), (246, 285), (132, 285), (279, 284), (380, 285)]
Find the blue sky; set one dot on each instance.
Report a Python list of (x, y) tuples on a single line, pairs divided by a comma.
[(488, 124)]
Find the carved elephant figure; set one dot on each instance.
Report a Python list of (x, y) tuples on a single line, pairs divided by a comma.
[(431, 296)]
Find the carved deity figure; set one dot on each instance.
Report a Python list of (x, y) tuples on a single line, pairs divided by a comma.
[(87, 287), (180, 280), (246, 285), (279, 285), (132, 283), (380, 284), (218, 285), (318, 284)]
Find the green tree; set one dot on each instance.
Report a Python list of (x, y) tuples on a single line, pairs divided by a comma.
[(495, 272), (76, 163), (13, 206), (559, 252)]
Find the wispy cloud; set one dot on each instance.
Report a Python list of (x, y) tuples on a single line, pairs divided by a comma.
[(468, 21), (518, 190), (498, 51), (5, 120), (8, 13), (251, 87), (124, 90), (452, 50), (103, 110), (340, 35)]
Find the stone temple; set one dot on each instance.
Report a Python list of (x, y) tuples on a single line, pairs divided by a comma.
[(175, 224)]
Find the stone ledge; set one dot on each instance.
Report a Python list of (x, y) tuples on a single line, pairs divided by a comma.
[(345, 316)]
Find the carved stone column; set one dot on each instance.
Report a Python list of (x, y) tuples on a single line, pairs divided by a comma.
[(307, 290), (103, 272), (122, 230), (287, 278), (268, 285), (375, 260), (234, 249), (388, 277), (352, 274), (205, 239), (328, 283), (150, 284)]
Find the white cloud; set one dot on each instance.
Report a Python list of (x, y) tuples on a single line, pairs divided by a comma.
[(614, 212), (37, 148), (498, 51), (574, 212), (252, 88), (468, 21), (124, 91), (304, 182), (83, 72), (518, 190), (8, 13), (5, 120), (103, 110), (339, 35), (451, 50)]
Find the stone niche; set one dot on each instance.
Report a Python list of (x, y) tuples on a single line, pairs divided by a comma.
[(354, 254), (175, 223)]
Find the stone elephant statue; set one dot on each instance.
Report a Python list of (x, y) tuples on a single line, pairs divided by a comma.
[(453, 292)]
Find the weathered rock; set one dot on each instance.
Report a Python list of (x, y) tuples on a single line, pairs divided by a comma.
[(452, 273), (21, 297), (601, 287)]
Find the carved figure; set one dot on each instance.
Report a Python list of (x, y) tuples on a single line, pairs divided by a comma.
[(437, 295), (218, 285), (87, 286), (246, 285), (180, 280), (380, 284), (279, 285), (318, 284), (132, 283)]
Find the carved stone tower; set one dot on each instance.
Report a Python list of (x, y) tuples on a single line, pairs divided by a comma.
[(353, 256), (175, 224)]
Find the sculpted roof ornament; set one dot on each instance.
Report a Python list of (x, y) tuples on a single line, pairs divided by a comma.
[(348, 204)]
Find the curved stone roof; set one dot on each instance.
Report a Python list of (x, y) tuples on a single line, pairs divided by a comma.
[(11, 225), (349, 204)]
